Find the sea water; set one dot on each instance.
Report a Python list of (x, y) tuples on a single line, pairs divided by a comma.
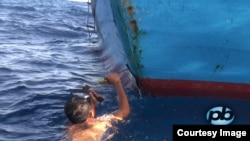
[(47, 48)]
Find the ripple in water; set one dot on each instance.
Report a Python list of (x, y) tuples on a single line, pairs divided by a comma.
[(44, 52)]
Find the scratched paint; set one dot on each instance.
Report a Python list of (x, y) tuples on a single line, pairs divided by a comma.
[(186, 41), (218, 68), (124, 14)]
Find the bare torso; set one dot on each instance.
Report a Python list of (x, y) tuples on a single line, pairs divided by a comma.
[(91, 130)]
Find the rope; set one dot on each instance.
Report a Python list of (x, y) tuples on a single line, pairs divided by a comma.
[(88, 25)]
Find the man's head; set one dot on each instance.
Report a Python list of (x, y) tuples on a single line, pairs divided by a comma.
[(77, 109)]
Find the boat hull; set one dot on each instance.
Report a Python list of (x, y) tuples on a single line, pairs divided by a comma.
[(188, 88), (180, 48)]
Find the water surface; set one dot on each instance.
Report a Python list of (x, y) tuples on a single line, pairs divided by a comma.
[(47, 49)]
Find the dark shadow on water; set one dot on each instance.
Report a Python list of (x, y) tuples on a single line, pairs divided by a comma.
[(152, 118)]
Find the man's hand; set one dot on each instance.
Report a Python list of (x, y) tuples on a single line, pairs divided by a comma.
[(114, 78), (85, 89), (95, 97)]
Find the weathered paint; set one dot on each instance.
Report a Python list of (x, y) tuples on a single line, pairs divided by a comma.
[(200, 42), (124, 16)]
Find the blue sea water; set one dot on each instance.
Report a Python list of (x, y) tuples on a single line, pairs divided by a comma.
[(46, 49)]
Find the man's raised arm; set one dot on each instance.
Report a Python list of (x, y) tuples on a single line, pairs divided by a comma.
[(123, 105)]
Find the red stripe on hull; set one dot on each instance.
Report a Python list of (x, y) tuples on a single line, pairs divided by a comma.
[(187, 88)]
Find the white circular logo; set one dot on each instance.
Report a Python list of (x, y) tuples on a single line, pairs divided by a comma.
[(220, 115)]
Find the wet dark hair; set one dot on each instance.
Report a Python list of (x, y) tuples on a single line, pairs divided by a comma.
[(77, 109)]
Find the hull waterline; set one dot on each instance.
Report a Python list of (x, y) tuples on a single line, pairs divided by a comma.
[(179, 48)]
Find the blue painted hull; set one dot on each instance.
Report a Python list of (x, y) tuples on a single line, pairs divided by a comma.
[(196, 41)]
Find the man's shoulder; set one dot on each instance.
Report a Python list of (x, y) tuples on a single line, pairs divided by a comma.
[(106, 117), (109, 117), (92, 129)]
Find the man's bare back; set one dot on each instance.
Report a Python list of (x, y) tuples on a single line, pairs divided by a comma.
[(94, 129)]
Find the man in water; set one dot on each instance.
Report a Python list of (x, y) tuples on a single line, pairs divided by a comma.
[(81, 112)]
